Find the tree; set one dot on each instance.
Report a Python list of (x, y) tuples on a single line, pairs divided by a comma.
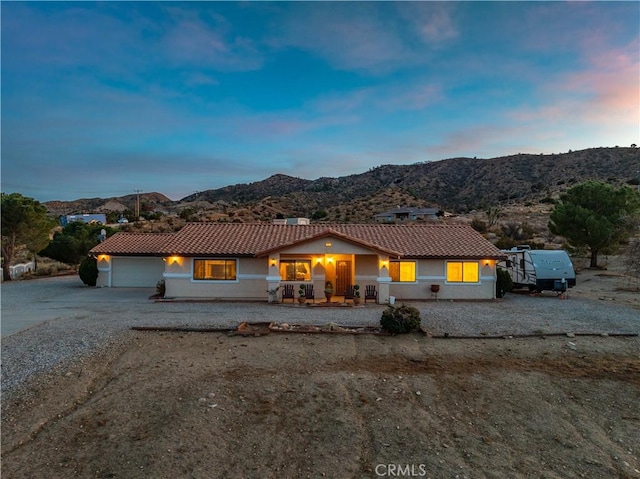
[(73, 243), (596, 215), (24, 222)]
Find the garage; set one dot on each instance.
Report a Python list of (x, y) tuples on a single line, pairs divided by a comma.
[(136, 272)]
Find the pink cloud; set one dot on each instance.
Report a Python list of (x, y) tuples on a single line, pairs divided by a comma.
[(606, 91), (418, 97)]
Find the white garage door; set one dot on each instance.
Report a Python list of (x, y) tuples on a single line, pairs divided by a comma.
[(138, 272)]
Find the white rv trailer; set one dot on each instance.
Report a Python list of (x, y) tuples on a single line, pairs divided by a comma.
[(539, 270)]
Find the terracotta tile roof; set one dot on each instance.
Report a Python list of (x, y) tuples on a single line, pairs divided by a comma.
[(257, 239), (251, 239), (132, 244)]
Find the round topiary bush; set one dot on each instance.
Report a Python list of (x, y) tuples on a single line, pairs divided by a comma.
[(88, 271), (399, 320)]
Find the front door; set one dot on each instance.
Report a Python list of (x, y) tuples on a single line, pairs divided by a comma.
[(343, 277)]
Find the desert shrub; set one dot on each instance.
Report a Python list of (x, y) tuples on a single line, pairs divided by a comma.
[(399, 320), (504, 284), (88, 271), (506, 243), (479, 225)]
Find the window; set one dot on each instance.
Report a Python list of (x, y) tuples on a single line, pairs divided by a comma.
[(214, 269), (402, 271), (463, 272), (295, 270)]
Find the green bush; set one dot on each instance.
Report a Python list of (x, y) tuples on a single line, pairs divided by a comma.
[(161, 288), (504, 284), (402, 319), (88, 271)]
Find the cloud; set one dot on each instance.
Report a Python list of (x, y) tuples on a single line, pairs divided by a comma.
[(349, 36), (433, 22), (209, 40)]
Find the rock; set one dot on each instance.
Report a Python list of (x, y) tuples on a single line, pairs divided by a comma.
[(571, 335), (572, 346)]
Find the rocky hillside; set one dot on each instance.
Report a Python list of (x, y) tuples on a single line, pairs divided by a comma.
[(103, 205), (457, 185)]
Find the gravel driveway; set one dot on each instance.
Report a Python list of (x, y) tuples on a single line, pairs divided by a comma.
[(78, 320)]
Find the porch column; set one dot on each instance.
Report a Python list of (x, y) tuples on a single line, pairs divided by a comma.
[(383, 279), (273, 278)]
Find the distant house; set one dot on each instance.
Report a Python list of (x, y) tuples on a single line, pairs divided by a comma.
[(86, 218), (407, 214), (291, 221), (229, 261)]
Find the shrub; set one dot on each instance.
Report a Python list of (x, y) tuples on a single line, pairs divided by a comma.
[(479, 225), (161, 288), (504, 284), (88, 271), (399, 320)]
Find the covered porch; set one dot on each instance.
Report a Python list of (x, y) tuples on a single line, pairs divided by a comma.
[(329, 267)]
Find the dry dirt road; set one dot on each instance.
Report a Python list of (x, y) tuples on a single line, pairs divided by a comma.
[(203, 405), (217, 405)]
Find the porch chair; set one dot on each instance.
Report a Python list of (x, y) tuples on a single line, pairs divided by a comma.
[(349, 292), (308, 292), (287, 293), (370, 293)]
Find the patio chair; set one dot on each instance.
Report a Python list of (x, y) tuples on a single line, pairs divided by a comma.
[(308, 292), (370, 293), (349, 292), (288, 293)]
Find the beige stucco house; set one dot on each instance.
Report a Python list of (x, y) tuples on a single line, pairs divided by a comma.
[(231, 261)]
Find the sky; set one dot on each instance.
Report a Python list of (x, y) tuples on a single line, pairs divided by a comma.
[(103, 99)]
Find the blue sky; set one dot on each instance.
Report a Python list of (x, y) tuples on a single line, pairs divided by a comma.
[(102, 99)]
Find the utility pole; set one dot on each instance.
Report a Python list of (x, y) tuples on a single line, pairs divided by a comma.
[(137, 192)]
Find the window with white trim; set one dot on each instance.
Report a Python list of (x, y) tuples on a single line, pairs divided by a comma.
[(402, 271), (295, 269), (463, 272), (214, 269)]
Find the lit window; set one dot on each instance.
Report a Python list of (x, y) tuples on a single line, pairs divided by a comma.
[(295, 270), (402, 271), (463, 272), (214, 269)]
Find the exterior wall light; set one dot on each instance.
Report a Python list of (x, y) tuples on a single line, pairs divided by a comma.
[(274, 262)]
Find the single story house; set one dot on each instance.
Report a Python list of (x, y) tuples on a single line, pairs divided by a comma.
[(407, 214), (244, 261), (84, 218)]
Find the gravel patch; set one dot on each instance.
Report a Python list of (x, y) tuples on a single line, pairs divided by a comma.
[(80, 321)]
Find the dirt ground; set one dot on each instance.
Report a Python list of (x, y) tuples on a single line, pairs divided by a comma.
[(283, 405)]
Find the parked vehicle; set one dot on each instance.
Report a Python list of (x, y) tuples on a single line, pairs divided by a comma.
[(539, 270)]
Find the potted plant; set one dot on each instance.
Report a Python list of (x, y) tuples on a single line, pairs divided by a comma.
[(356, 294), (273, 294), (301, 294), (328, 290)]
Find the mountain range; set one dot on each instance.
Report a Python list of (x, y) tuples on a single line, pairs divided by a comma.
[(456, 184)]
